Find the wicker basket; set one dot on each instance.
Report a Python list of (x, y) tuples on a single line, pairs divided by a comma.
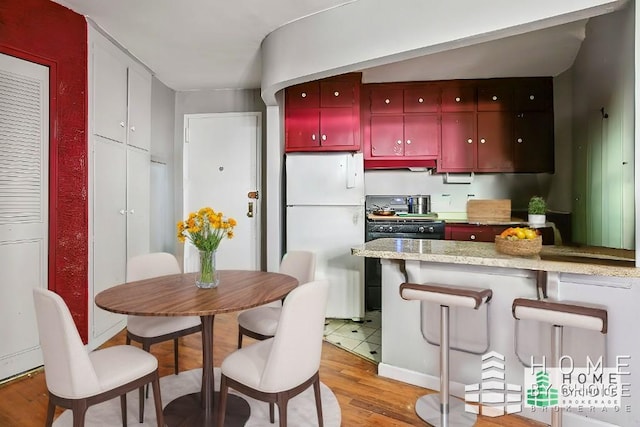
[(520, 247)]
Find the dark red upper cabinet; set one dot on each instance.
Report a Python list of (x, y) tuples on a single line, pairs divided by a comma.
[(323, 115), (423, 98), (533, 94), (458, 96), (386, 100), (495, 96)]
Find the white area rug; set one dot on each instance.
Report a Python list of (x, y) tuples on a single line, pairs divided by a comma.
[(301, 409)]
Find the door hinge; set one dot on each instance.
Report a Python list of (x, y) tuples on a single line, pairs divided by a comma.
[(253, 195)]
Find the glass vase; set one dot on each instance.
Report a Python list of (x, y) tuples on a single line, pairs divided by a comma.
[(207, 276)]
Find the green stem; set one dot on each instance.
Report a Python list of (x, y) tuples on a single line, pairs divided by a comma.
[(207, 266)]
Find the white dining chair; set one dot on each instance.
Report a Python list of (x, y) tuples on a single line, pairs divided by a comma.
[(76, 380), (279, 368), (261, 322), (149, 330)]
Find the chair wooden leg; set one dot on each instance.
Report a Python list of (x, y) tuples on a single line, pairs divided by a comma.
[(271, 412), (282, 401), (239, 339), (123, 409), (176, 368), (157, 399), (51, 409), (140, 405), (79, 409), (222, 402), (146, 347), (316, 390)]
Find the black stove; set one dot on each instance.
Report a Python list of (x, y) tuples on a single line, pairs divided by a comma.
[(403, 226)]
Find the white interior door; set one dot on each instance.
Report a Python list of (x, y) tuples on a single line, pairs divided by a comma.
[(24, 217), (221, 167)]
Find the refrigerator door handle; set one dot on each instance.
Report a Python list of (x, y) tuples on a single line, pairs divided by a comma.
[(351, 171)]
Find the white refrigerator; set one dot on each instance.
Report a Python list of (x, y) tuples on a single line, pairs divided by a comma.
[(325, 214)]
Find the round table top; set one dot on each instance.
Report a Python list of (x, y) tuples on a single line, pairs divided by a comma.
[(178, 295)]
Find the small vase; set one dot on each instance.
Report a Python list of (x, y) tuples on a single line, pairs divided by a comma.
[(207, 277), (537, 220)]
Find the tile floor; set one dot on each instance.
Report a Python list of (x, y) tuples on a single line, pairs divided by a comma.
[(362, 338)]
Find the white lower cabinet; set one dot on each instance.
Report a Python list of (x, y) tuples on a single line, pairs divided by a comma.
[(120, 223)]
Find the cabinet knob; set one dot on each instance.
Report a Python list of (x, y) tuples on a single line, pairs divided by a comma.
[(122, 212), (420, 100), (458, 99), (469, 141), (408, 141), (495, 98), (482, 141), (386, 101), (472, 237), (399, 142), (303, 94), (336, 93), (132, 211), (121, 124), (133, 128), (519, 140), (313, 136), (324, 137), (532, 97)]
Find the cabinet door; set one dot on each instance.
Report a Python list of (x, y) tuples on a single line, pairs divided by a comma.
[(336, 94), (472, 233), (138, 202), (109, 91), (302, 127), (458, 142), (422, 99), (458, 97), (337, 127), (533, 146), (496, 96), (109, 225), (306, 95), (139, 124), (421, 135), (534, 95), (495, 148), (387, 136), (386, 100)]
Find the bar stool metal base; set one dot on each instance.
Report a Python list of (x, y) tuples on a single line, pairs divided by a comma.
[(428, 408)]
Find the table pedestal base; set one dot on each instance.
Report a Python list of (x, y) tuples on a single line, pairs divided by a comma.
[(188, 411)]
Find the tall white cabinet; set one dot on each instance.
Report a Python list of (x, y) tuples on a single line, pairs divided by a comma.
[(120, 170)]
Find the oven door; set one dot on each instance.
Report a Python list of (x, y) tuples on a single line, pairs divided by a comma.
[(372, 235)]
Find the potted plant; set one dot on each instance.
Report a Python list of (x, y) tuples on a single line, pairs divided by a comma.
[(537, 211)]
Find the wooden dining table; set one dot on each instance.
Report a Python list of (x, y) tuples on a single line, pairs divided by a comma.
[(177, 295)]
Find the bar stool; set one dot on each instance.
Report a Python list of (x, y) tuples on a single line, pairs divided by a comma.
[(442, 409), (560, 314)]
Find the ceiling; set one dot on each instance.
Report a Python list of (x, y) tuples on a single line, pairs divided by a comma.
[(205, 44), (197, 44)]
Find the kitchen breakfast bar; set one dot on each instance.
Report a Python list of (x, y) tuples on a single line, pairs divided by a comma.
[(598, 277)]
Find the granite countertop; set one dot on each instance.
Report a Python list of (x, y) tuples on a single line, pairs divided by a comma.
[(563, 259)]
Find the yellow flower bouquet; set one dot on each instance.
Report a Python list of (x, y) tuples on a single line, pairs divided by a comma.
[(205, 229)]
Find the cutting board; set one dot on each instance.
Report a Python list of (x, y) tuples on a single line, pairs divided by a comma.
[(495, 210)]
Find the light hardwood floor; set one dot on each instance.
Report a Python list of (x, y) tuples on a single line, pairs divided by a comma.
[(365, 399)]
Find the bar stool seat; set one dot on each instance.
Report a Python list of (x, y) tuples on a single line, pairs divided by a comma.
[(560, 314), (442, 409)]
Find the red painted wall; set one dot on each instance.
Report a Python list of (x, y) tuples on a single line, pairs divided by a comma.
[(45, 32)]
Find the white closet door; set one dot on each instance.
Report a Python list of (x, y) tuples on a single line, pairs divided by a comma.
[(109, 90), (24, 184), (138, 202), (109, 231), (139, 109)]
